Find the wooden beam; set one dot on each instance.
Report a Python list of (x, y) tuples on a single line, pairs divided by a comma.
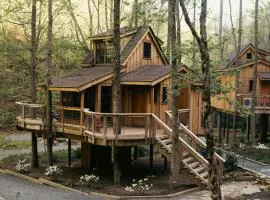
[(98, 98), (82, 112)]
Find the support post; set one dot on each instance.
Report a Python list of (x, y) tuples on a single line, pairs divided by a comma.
[(69, 152), (228, 129), (165, 163), (34, 150), (116, 165), (135, 153), (151, 159), (220, 128)]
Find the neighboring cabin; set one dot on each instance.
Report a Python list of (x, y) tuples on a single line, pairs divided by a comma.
[(242, 68)]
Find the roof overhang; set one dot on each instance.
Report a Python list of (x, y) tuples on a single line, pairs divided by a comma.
[(150, 83)]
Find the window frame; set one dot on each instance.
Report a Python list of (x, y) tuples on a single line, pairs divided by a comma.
[(163, 89), (149, 57)]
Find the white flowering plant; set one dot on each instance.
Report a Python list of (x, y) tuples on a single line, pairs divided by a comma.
[(53, 171), (22, 166), (139, 185), (89, 180)]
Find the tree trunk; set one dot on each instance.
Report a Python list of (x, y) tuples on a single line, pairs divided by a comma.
[(49, 94), (134, 16), (90, 21), (214, 181), (106, 15), (33, 79), (116, 86), (221, 49), (178, 34), (237, 75), (254, 89), (233, 29), (194, 41), (169, 33), (175, 93)]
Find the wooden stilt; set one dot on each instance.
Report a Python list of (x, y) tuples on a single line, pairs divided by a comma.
[(220, 128), (228, 130), (116, 165), (69, 152), (165, 163), (135, 153), (34, 151), (151, 159)]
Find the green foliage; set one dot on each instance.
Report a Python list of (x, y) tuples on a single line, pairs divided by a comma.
[(230, 162)]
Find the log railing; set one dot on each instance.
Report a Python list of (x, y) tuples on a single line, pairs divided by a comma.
[(196, 143)]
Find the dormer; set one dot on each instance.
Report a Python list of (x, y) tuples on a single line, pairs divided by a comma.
[(103, 51)]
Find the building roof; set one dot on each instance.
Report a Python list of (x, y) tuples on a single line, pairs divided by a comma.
[(108, 34), (264, 75), (82, 77), (148, 74)]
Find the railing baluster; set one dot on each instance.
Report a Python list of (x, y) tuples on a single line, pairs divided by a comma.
[(105, 122), (93, 128)]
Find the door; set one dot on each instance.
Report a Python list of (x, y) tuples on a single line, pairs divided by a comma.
[(139, 102)]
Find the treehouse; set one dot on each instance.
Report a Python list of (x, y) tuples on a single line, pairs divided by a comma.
[(241, 69), (85, 108)]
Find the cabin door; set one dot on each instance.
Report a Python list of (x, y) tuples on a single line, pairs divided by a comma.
[(106, 99), (183, 99), (139, 100)]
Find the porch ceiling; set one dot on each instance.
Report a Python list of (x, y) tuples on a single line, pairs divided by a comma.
[(146, 75)]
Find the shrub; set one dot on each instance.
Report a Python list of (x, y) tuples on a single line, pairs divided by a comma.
[(89, 180), (22, 166), (230, 162)]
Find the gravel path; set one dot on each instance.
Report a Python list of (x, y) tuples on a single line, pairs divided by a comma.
[(15, 188), (59, 146)]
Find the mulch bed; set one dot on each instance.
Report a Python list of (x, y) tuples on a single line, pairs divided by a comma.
[(138, 170)]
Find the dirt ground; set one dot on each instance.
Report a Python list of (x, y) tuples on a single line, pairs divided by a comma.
[(137, 170)]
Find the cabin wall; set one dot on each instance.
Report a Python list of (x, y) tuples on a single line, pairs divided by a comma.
[(218, 101), (195, 115), (135, 60)]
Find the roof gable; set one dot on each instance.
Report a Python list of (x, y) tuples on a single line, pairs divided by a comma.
[(137, 39)]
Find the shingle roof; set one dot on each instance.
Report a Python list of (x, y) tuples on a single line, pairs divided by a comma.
[(123, 30), (264, 75), (81, 77), (147, 73)]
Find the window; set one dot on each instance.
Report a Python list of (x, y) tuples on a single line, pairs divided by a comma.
[(164, 95), (249, 56), (250, 86), (147, 50), (104, 52)]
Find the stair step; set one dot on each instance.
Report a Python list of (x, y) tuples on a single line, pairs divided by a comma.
[(194, 165), (204, 174), (163, 137), (185, 154), (188, 159), (200, 169), (167, 141), (168, 145)]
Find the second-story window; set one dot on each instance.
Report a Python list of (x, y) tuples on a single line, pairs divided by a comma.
[(104, 52), (164, 94), (147, 50), (250, 85), (249, 56)]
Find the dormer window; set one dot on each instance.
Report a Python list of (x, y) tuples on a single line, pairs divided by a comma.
[(104, 52), (147, 50), (249, 56)]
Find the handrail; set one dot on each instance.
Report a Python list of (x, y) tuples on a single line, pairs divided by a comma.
[(31, 105), (192, 151), (192, 135)]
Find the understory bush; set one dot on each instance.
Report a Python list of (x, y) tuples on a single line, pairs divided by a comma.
[(89, 180)]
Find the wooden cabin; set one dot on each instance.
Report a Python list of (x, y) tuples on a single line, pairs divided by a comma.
[(242, 68), (85, 108)]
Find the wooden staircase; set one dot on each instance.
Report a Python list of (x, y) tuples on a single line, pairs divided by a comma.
[(189, 161), (189, 147)]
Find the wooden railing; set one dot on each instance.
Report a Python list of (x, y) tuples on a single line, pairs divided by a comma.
[(183, 116), (262, 100), (101, 125), (69, 115), (196, 143), (31, 113)]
